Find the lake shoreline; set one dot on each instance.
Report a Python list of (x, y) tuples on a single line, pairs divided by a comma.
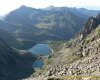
[(40, 50)]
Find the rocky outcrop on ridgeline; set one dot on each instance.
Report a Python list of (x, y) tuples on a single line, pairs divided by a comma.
[(90, 25)]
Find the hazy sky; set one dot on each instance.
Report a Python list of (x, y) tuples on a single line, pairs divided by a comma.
[(8, 5)]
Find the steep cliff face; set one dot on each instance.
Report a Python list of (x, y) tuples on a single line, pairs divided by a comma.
[(91, 24), (14, 64), (79, 56)]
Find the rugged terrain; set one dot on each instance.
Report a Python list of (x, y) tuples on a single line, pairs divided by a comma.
[(79, 56)]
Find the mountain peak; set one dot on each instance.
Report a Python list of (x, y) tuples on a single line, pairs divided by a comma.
[(23, 6), (92, 21), (50, 7)]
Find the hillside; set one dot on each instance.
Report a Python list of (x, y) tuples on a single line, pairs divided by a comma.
[(78, 11), (30, 26), (7, 33), (41, 25), (14, 64), (76, 59), (9, 39)]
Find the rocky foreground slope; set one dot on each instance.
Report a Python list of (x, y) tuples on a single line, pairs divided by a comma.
[(77, 59)]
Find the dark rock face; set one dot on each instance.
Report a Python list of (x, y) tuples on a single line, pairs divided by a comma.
[(98, 17), (90, 25), (14, 64)]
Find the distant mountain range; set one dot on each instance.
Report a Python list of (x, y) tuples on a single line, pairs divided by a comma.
[(77, 11), (29, 25)]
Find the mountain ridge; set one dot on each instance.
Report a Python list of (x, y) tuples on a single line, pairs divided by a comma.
[(80, 10), (48, 25), (30, 26)]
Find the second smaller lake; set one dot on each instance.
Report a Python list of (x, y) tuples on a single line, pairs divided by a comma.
[(40, 49), (38, 63)]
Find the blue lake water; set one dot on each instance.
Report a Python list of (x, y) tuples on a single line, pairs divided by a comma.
[(38, 63), (40, 49)]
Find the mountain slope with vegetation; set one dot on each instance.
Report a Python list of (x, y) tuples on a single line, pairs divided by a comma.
[(41, 25), (7, 33), (14, 64), (9, 39), (78, 11), (30, 26), (79, 56)]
